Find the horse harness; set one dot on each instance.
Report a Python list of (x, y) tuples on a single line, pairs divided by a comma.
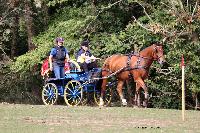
[(138, 65), (128, 66), (140, 58)]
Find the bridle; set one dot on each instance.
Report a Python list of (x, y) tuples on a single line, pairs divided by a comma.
[(155, 51)]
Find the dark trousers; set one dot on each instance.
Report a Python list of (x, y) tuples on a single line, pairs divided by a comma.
[(88, 66)]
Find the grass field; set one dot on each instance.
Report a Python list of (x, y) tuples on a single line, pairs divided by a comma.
[(16, 118)]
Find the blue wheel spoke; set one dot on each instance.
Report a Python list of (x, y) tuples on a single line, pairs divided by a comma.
[(79, 97), (70, 94), (46, 91), (54, 96), (47, 101), (47, 98), (70, 90), (45, 95), (76, 90), (70, 98)]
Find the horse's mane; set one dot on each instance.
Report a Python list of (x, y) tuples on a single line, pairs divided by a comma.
[(153, 43)]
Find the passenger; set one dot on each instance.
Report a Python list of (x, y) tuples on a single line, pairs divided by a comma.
[(57, 58), (84, 57)]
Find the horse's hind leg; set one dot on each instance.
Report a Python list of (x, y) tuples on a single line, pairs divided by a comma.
[(141, 83), (137, 95), (119, 90)]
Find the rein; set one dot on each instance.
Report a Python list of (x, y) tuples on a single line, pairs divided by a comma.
[(114, 73)]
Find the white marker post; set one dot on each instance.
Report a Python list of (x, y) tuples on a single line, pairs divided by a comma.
[(183, 88)]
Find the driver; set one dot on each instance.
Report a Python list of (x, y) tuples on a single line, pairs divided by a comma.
[(84, 57)]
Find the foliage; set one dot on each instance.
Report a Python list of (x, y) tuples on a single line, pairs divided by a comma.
[(4, 27), (17, 88)]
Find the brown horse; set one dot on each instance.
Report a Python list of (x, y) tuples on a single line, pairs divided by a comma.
[(135, 66)]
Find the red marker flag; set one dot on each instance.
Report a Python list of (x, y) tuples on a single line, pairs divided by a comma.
[(182, 61)]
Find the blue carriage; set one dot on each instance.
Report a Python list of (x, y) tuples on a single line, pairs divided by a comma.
[(74, 87)]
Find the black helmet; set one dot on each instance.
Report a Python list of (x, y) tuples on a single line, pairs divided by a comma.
[(85, 43)]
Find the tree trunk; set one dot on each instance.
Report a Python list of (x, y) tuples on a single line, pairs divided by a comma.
[(29, 25), (94, 3), (46, 17), (196, 102), (14, 36), (15, 26)]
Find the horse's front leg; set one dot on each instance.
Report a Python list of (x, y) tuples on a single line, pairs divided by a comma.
[(141, 83), (119, 90)]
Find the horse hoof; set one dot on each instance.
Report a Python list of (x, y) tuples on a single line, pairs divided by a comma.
[(124, 103), (101, 103), (100, 107), (144, 104)]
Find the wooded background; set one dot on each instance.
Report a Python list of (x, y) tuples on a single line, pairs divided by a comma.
[(28, 29)]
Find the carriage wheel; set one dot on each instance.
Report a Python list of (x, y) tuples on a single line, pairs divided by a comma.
[(107, 96), (73, 93), (49, 94)]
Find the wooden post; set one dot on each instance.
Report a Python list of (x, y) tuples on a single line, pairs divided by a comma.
[(183, 88)]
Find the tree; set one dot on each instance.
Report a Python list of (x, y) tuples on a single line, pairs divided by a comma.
[(29, 23), (14, 27)]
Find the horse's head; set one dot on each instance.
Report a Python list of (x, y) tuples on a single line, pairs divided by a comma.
[(158, 53)]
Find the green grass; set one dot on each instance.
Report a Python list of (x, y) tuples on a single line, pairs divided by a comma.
[(83, 119)]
